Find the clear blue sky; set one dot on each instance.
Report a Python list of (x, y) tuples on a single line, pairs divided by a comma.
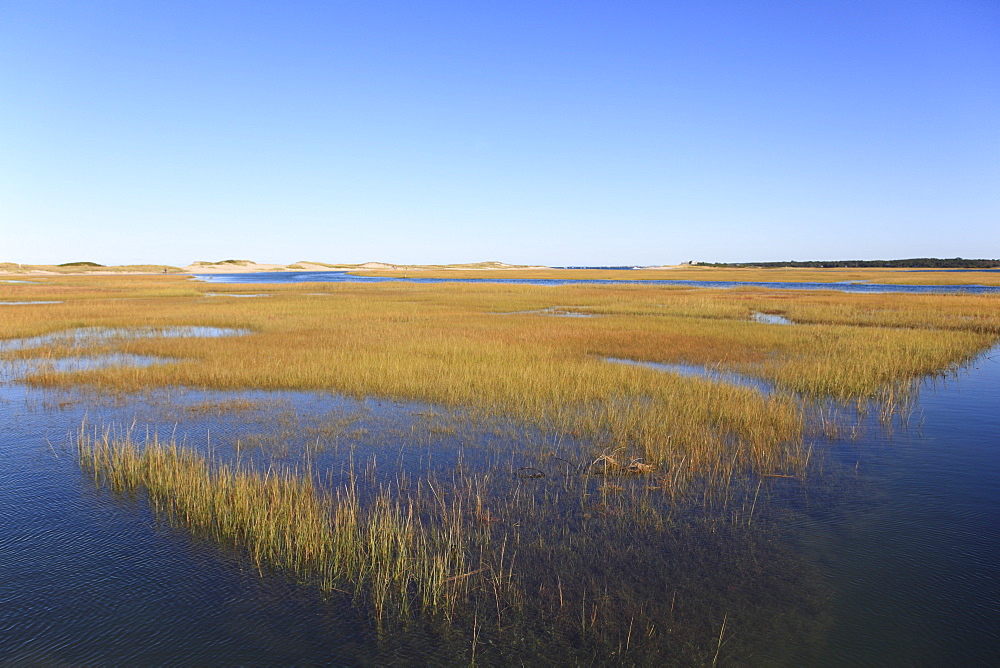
[(576, 132)]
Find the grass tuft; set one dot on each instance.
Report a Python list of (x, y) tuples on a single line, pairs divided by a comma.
[(385, 549)]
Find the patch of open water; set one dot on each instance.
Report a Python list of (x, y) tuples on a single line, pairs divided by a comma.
[(554, 312), (230, 294), (28, 303), (16, 370), (915, 571), (91, 336), (698, 371), (770, 319)]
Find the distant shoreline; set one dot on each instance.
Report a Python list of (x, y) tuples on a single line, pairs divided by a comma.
[(688, 271)]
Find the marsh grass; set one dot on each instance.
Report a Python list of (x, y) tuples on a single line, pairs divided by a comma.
[(445, 345)]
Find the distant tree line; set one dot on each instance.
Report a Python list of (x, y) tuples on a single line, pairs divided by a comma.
[(912, 263)]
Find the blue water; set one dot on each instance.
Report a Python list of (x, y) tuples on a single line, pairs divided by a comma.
[(916, 568), (770, 319), (345, 277)]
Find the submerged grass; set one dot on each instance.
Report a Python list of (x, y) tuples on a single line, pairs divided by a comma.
[(581, 563), (387, 550)]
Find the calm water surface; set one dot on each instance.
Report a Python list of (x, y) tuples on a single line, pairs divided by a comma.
[(916, 570), (899, 533)]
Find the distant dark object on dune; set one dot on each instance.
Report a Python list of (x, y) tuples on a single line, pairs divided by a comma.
[(80, 264)]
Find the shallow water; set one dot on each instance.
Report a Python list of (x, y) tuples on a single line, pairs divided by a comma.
[(696, 371), (771, 319), (915, 569), (887, 555), (80, 339), (18, 370), (224, 294), (554, 312), (345, 277), (90, 336), (26, 303)]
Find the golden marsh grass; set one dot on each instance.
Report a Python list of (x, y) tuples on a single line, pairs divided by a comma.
[(472, 346)]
